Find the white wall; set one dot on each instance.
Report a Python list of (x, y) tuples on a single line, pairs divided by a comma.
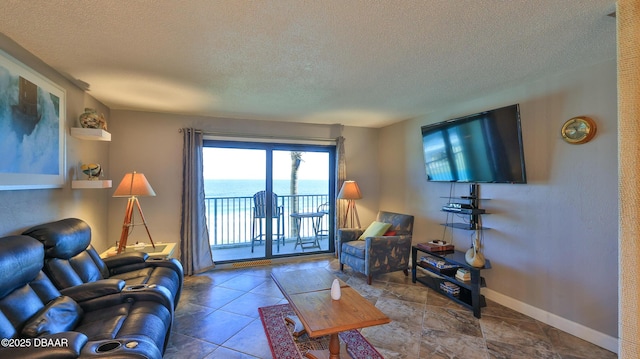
[(553, 241), (22, 209), (150, 143)]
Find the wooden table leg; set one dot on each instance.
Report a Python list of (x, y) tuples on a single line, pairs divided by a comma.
[(334, 350)]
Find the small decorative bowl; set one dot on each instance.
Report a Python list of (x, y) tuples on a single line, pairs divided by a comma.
[(92, 170)]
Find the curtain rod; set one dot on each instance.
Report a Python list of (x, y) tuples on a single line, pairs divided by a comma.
[(279, 137)]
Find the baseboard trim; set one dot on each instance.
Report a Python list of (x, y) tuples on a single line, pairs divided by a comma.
[(592, 336)]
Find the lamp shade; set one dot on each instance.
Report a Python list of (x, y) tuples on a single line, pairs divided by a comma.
[(134, 184), (349, 190)]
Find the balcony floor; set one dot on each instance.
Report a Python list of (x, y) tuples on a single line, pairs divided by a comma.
[(243, 252)]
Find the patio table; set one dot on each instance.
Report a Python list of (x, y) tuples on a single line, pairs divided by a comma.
[(314, 218)]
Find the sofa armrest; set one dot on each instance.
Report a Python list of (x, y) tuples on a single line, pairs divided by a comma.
[(60, 345), (172, 263), (151, 293), (142, 292), (349, 234), (393, 251), (346, 235), (125, 259), (166, 262), (91, 290)]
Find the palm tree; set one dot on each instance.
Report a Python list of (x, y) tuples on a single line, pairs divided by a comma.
[(296, 159)]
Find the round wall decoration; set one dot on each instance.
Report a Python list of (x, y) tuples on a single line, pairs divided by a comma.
[(578, 130)]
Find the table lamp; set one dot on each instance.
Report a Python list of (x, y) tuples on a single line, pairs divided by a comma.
[(350, 191), (133, 185)]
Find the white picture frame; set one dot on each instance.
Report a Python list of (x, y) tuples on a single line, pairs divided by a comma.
[(32, 128)]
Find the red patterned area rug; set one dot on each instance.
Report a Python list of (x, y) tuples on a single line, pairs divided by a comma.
[(284, 346)]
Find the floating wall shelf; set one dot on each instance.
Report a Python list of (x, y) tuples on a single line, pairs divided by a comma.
[(92, 134), (88, 184)]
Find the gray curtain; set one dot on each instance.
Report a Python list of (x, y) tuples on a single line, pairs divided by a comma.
[(195, 250), (341, 172)]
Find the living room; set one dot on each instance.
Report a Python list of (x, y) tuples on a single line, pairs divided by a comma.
[(553, 242)]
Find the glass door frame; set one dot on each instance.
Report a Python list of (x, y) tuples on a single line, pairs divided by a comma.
[(269, 148)]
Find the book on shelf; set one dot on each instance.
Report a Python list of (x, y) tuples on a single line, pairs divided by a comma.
[(437, 262), (450, 288), (463, 274), (438, 265), (436, 246)]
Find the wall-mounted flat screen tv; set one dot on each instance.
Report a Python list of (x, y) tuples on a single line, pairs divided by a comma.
[(485, 147)]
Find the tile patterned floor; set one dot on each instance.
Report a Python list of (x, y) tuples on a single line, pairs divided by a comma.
[(218, 318)]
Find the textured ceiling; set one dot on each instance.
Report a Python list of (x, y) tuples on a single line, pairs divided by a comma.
[(359, 63)]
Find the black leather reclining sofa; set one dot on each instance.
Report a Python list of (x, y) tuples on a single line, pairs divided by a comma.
[(73, 264), (104, 320)]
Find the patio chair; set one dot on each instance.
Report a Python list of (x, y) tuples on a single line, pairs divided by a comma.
[(322, 231), (259, 214)]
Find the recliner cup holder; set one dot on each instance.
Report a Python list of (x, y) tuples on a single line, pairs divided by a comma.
[(108, 346), (139, 287)]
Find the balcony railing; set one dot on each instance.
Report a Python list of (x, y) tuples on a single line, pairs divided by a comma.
[(229, 219)]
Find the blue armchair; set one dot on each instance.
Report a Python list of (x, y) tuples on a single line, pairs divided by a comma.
[(381, 254)]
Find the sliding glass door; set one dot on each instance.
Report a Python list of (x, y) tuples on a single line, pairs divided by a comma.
[(266, 200)]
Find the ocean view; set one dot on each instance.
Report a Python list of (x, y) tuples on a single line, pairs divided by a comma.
[(230, 217), (247, 188)]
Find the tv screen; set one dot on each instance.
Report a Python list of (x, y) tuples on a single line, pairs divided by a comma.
[(485, 147)]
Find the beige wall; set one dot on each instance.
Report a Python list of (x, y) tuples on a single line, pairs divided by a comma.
[(553, 241), (150, 143), (361, 150), (22, 209)]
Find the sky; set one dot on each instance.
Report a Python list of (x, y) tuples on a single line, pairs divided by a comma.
[(233, 163)]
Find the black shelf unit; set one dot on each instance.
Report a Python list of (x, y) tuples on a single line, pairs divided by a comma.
[(474, 213), (469, 296)]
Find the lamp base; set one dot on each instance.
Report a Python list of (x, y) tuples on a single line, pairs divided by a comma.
[(351, 208), (127, 224)]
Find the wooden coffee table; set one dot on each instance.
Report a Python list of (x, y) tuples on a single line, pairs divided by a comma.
[(309, 294)]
